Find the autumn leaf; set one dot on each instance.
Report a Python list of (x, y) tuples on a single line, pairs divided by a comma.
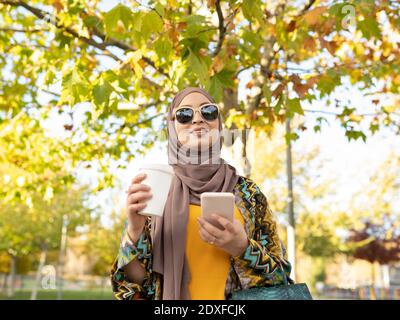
[(331, 46), (309, 44), (217, 64), (278, 90), (313, 16)]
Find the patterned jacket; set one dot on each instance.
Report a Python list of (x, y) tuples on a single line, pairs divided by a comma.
[(263, 263)]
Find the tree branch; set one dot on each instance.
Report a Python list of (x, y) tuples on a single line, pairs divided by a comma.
[(51, 92), (23, 30), (43, 15), (221, 28), (306, 7)]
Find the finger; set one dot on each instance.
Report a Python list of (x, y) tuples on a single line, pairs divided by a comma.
[(137, 206), (204, 236), (211, 229), (219, 241), (138, 187), (139, 178), (207, 237), (228, 225), (139, 197)]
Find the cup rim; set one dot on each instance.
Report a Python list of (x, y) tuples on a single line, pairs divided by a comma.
[(157, 166)]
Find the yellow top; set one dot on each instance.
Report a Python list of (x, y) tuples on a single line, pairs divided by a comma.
[(209, 265)]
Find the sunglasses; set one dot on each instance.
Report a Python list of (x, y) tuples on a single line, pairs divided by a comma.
[(209, 112)]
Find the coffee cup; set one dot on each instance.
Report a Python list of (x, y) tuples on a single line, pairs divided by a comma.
[(158, 178)]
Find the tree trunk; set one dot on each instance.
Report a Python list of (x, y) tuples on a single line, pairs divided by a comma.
[(291, 234), (11, 282), (4, 283), (385, 275), (246, 165), (372, 274), (60, 269), (42, 261)]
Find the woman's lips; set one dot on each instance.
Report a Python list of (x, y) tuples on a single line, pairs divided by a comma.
[(199, 132)]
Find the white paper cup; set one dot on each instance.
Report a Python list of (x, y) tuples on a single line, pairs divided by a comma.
[(158, 177)]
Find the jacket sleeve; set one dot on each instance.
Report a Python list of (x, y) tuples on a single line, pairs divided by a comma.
[(263, 263), (128, 251)]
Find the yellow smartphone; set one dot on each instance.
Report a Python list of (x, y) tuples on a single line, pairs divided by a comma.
[(221, 203)]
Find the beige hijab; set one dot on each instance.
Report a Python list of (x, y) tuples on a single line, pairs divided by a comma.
[(190, 180)]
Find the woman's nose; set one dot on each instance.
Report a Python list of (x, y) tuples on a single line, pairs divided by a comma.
[(197, 117)]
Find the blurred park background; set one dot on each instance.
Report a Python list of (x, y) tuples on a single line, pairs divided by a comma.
[(83, 91)]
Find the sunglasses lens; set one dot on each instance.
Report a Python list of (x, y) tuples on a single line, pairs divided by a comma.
[(184, 115), (210, 112)]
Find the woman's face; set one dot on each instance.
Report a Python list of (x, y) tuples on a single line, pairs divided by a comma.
[(198, 133)]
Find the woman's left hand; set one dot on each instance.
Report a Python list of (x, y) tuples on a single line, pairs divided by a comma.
[(232, 239)]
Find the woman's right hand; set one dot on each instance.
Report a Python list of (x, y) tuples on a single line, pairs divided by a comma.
[(138, 194)]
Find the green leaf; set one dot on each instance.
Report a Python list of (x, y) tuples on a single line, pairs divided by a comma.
[(252, 9), (163, 47), (328, 82), (354, 134), (118, 13), (93, 22), (198, 66), (294, 106), (291, 136), (214, 87), (278, 105), (137, 21), (267, 93), (74, 88), (117, 82), (373, 127), (369, 28), (151, 22), (226, 78), (101, 94), (160, 9), (219, 81)]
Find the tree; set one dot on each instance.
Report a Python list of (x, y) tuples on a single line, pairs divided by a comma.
[(37, 190), (30, 232), (383, 242), (102, 243)]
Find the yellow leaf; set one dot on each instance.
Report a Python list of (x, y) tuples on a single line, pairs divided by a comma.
[(314, 16)]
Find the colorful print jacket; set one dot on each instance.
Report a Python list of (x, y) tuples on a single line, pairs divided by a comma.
[(263, 263)]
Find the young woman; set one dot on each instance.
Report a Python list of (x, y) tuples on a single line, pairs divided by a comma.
[(180, 255)]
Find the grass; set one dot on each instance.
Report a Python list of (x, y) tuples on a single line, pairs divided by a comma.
[(95, 294)]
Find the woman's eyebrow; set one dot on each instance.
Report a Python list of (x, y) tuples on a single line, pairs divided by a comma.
[(188, 105)]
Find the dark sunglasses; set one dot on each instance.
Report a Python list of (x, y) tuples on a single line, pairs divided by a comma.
[(209, 112)]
